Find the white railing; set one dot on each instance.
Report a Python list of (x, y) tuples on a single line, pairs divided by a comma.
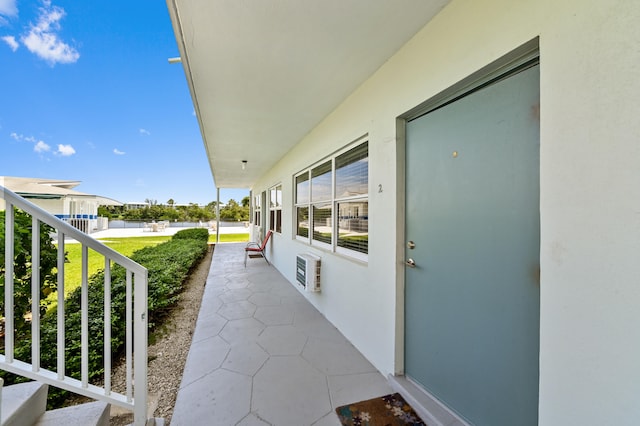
[(135, 397)]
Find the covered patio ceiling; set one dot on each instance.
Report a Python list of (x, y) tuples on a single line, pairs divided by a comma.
[(263, 74)]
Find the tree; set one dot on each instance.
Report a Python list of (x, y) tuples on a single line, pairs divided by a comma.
[(246, 201), (191, 213), (104, 212), (133, 214), (111, 212), (171, 214), (234, 212), (212, 207)]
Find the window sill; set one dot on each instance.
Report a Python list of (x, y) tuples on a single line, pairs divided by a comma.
[(352, 256)]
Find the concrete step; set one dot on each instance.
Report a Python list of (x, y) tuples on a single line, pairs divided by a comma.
[(89, 414), (23, 403)]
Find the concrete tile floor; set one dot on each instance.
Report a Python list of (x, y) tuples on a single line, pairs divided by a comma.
[(263, 355)]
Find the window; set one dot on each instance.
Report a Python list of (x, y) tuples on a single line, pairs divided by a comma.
[(352, 201), (302, 205), (257, 210), (332, 200), (321, 177), (275, 209)]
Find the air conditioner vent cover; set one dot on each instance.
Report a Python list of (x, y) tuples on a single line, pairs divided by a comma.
[(308, 271)]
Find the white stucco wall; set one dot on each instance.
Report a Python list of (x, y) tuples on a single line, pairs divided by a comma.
[(590, 192), (54, 206)]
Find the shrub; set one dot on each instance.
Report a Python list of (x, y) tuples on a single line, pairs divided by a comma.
[(192, 233)]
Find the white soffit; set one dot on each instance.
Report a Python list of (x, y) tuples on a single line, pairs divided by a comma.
[(264, 73)]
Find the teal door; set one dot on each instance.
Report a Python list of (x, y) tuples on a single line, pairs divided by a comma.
[(472, 277)]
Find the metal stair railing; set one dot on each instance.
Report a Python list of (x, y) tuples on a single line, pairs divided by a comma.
[(136, 395)]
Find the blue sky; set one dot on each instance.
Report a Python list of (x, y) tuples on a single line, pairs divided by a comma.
[(87, 93)]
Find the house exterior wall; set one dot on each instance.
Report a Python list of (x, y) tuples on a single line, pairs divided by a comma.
[(589, 201), (57, 207), (68, 208)]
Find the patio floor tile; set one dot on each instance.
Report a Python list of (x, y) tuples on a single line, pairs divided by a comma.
[(210, 326), (349, 388), (205, 357), (289, 391), (242, 330), (237, 310), (245, 358), (274, 315), (282, 340), (208, 399), (335, 358)]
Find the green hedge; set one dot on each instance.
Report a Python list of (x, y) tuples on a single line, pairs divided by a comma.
[(168, 264), (192, 233)]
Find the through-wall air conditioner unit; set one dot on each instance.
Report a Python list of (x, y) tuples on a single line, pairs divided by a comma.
[(308, 271)]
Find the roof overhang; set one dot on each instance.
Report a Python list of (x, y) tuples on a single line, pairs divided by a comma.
[(51, 189), (263, 74)]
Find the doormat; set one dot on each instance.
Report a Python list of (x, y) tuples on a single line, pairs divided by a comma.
[(254, 256), (388, 410)]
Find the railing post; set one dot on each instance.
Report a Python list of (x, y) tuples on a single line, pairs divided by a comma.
[(35, 294), (60, 308), (107, 326), (8, 283), (128, 338), (84, 321), (140, 330)]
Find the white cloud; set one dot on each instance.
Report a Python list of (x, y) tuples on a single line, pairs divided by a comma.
[(118, 152), (144, 132), (43, 39), (11, 41), (65, 150), (8, 8), (23, 138), (41, 147)]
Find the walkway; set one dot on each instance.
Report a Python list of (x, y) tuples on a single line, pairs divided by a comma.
[(263, 355)]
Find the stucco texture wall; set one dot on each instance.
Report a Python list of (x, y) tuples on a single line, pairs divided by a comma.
[(56, 207), (589, 201)]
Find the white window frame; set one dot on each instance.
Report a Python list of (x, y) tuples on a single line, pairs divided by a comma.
[(256, 218), (333, 201), (275, 208)]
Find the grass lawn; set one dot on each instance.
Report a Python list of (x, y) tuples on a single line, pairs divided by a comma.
[(73, 266), (230, 238), (125, 246)]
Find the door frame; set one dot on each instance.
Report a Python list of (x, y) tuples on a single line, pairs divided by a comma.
[(524, 56)]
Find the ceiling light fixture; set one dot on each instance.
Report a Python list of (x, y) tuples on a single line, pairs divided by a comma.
[(244, 164), (175, 60)]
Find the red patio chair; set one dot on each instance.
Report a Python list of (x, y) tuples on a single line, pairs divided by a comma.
[(253, 247)]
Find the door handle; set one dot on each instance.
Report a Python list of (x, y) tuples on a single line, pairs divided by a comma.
[(410, 263)]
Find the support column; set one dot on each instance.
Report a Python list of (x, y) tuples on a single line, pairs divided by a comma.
[(217, 215)]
